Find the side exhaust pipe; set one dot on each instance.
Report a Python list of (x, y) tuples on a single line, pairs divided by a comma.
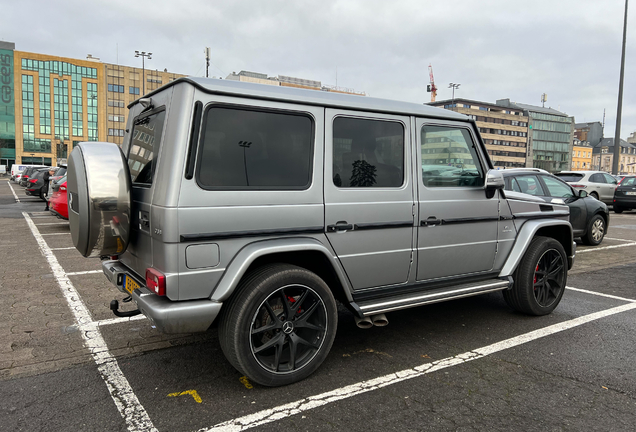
[(379, 320), (364, 323)]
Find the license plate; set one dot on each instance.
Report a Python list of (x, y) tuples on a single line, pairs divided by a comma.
[(630, 193), (130, 285)]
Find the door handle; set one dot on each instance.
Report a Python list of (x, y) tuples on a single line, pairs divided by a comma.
[(431, 221), (339, 226)]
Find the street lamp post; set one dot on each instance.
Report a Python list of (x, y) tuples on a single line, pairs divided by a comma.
[(453, 86), (143, 55)]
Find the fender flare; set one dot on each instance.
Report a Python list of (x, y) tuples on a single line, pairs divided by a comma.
[(526, 233), (246, 256)]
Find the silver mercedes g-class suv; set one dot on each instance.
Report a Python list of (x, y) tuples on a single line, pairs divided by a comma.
[(258, 206)]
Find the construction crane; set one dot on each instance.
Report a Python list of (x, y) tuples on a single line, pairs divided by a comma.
[(431, 87)]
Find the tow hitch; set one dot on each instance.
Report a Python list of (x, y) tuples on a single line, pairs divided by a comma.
[(114, 306)]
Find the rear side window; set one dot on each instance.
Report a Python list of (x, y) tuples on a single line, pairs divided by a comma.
[(247, 149), (367, 153), (528, 184), (597, 178), (569, 177), (144, 145)]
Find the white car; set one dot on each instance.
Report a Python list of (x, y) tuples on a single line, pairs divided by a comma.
[(597, 184)]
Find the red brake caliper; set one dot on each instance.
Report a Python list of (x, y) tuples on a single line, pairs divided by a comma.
[(535, 273), (293, 300)]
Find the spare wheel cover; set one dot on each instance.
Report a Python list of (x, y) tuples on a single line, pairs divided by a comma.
[(98, 183)]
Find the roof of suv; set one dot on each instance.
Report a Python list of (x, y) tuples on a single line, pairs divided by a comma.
[(310, 97)]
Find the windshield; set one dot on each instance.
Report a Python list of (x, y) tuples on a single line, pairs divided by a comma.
[(570, 177)]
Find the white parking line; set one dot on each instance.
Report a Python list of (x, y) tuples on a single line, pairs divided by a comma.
[(64, 248), (129, 407), (605, 248), (52, 223), (309, 403), (16, 197), (84, 272), (601, 294), (615, 239), (120, 320), (56, 233)]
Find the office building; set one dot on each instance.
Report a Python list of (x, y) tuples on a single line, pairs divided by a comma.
[(504, 130)]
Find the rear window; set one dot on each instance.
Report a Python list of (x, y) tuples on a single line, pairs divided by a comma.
[(144, 144), (248, 149), (570, 177)]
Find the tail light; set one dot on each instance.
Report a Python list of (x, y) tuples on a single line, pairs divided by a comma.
[(33, 181), (580, 186), (156, 281)]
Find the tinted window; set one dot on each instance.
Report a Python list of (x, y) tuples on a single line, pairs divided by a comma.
[(597, 178), (557, 188), (569, 177), (367, 153), (609, 179), (630, 181), (528, 184), (145, 140), (449, 158), (253, 149)]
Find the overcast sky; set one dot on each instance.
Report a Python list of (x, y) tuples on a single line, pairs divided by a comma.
[(569, 49)]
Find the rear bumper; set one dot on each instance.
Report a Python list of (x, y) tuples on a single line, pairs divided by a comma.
[(168, 316)]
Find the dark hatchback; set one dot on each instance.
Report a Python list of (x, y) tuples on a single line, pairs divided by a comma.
[(589, 217), (34, 185), (625, 194)]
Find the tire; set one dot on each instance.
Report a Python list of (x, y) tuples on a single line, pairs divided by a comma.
[(618, 209), (594, 195), (280, 351), (533, 293), (595, 231)]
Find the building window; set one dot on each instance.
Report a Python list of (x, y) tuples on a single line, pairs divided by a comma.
[(116, 132), (133, 90), (116, 103), (483, 109), (115, 88), (115, 118)]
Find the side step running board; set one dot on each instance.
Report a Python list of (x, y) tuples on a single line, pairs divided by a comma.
[(372, 307)]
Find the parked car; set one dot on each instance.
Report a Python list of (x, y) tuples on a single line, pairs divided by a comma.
[(257, 206), (17, 170), (35, 184), (625, 195), (26, 174), (597, 184), (588, 216), (58, 203)]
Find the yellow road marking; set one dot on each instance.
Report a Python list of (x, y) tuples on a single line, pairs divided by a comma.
[(246, 382), (192, 393)]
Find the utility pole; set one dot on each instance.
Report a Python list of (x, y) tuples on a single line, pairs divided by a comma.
[(619, 110), (207, 60)]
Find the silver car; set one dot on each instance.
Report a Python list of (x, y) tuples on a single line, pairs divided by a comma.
[(259, 206), (597, 184)]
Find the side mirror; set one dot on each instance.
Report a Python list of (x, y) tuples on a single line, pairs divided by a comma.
[(582, 193), (494, 181)]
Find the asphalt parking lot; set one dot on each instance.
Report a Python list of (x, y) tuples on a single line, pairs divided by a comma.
[(67, 363)]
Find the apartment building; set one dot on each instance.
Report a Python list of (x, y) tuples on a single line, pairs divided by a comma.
[(504, 130), (581, 155)]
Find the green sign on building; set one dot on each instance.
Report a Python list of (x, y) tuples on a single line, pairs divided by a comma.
[(7, 109)]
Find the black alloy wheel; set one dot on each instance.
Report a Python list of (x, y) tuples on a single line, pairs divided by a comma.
[(548, 278), (288, 329), (279, 325), (540, 278)]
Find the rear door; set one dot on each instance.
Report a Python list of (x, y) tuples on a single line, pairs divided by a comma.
[(141, 149), (457, 233), (369, 196)]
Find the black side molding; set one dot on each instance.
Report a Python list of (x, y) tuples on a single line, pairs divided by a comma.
[(382, 225), (194, 139), (257, 233)]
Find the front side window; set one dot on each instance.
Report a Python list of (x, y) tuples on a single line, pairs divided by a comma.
[(247, 149), (145, 140), (557, 188), (449, 158), (367, 153)]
